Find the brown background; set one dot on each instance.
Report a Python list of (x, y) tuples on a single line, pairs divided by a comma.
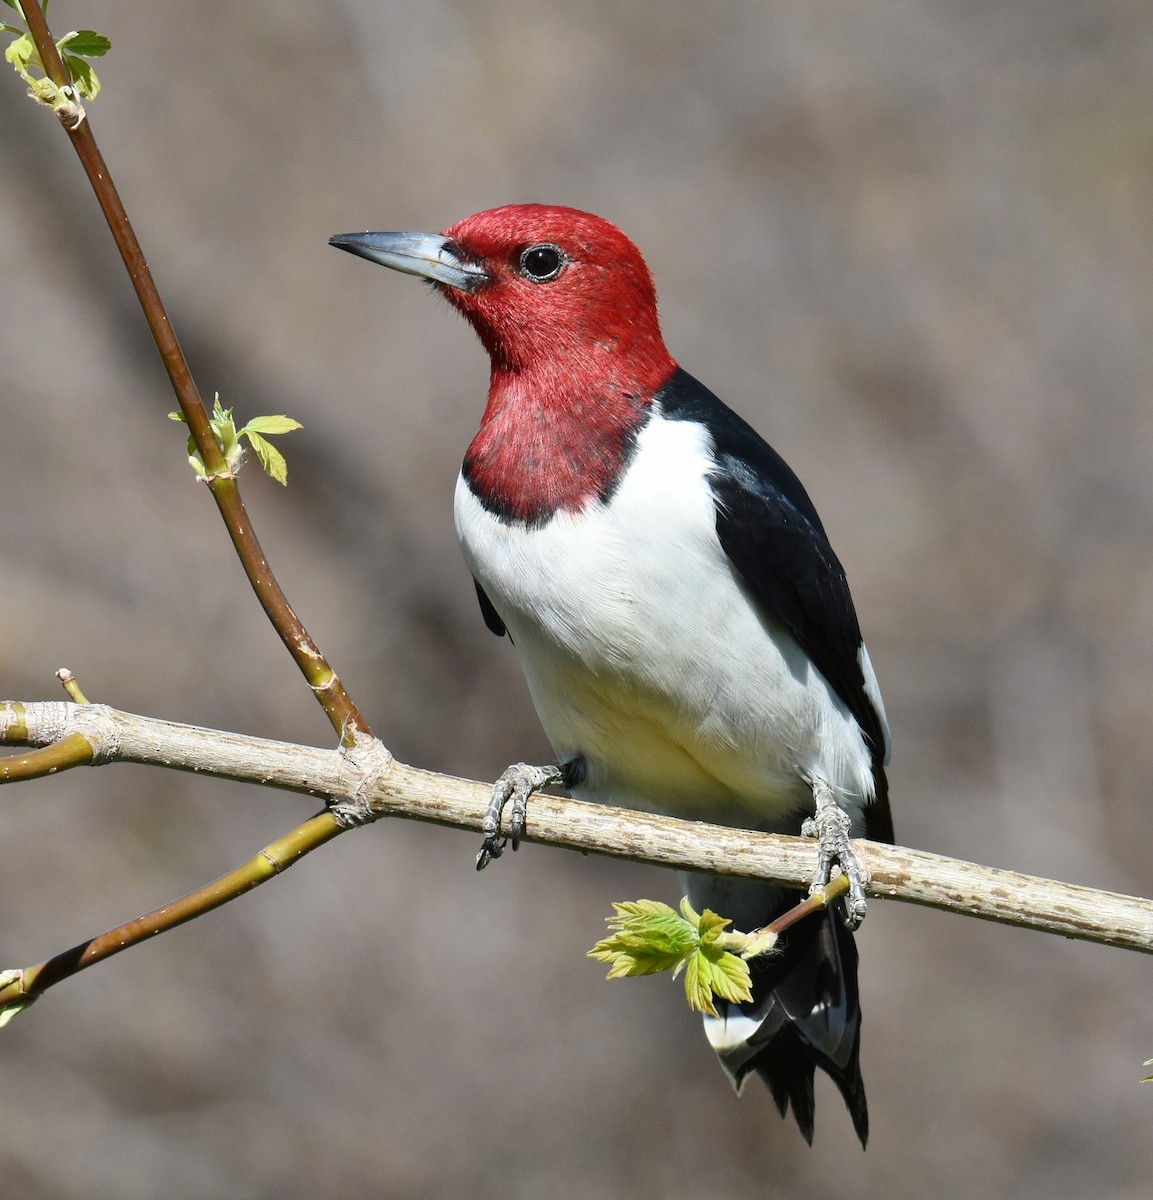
[(910, 240)]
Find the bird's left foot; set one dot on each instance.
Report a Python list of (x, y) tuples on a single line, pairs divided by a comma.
[(515, 785), (830, 824)]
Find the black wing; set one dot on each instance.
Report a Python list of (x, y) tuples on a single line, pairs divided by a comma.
[(491, 616), (770, 530)]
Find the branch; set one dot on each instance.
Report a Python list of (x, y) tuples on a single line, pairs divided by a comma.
[(367, 783), (19, 987), (326, 685)]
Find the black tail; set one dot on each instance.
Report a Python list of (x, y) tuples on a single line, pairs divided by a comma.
[(810, 1016), (805, 1012)]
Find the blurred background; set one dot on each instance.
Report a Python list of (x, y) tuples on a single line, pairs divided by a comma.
[(910, 240)]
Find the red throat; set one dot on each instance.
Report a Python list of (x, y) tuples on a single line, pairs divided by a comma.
[(538, 452)]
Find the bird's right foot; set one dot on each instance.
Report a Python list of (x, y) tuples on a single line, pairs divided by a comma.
[(517, 784)]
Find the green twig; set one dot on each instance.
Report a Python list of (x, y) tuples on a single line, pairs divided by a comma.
[(75, 750), (20, 986), (70, 684)]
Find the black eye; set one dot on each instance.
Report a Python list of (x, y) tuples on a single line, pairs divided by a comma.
[(541, 263)]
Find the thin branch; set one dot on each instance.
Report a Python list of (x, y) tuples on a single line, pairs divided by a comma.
[(18, 988), (371, 784), (326, 685), (74, 750)]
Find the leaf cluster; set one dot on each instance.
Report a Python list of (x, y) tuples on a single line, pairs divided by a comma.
[(256, 433), (75, 50), (649, 937)]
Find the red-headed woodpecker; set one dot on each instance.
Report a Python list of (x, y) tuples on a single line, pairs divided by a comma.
[(685, 629)]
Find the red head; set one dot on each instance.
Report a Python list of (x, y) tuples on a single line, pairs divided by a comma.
[(564, 290), (566, 308)]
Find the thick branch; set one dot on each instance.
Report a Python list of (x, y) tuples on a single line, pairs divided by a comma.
[(388, 788)]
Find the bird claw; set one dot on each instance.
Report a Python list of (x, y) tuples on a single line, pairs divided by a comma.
[(517, 784), (831, 825)]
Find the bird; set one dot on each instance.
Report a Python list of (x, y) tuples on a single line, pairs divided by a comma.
[(685, 629)]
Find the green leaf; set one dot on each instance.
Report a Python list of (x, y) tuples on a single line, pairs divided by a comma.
[(726, 976), (271, 459), (711, 927), (224, 427), (698, 991), (713, 971), (648, 937), (14, 1009), (83, 77), (276, 424), (22, 52), (729, 976), (12, 4), (85, 41), (195, 461)]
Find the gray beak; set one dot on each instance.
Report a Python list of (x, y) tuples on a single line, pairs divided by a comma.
[(428, 255)]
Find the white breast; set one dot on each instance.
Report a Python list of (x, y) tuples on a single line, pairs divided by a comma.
[(645, 656)]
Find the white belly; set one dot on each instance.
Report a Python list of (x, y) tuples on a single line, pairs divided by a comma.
[(645, 657)]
